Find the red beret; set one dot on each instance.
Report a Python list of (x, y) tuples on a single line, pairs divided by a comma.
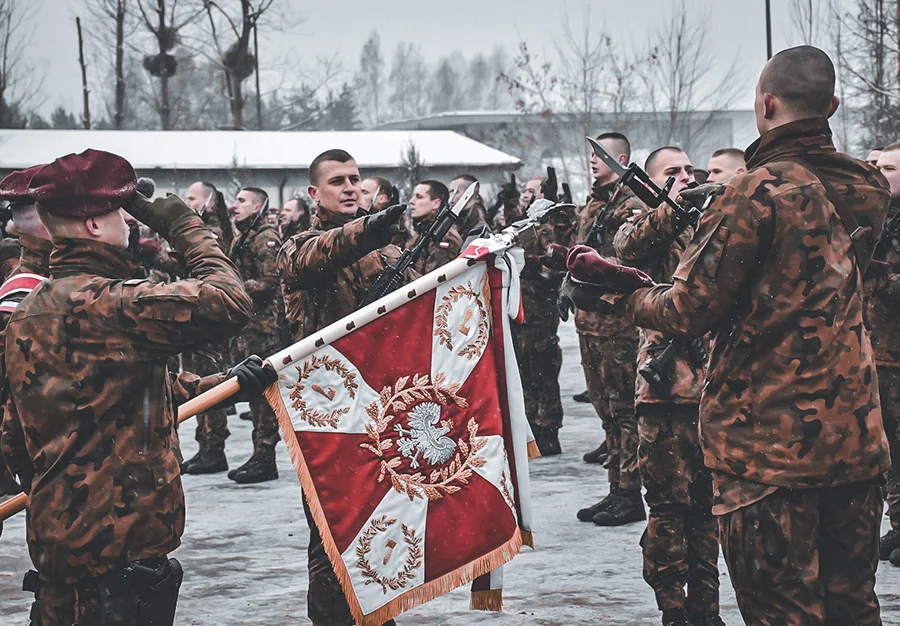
[(14, 188), (84, 185)]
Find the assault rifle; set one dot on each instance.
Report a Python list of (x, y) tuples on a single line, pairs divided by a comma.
[(647, 191), (392, 276)]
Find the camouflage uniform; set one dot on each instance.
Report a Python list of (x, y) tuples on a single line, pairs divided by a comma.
[(10, 250), (609, 344), (680, 544), (536, 340), (435, 255), (212, 425), (325, 272), (255, 253), (86, 362), (790, 414)]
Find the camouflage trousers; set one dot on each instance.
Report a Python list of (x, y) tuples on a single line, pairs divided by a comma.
[(212, 426), (540, 361), (889, 390), (609, 370), (265, 424), (680, 544), (806, 557)]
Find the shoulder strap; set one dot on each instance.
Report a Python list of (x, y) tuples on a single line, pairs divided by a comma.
[(857, 232)]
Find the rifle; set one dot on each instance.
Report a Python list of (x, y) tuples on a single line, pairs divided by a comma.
[(392, 277)]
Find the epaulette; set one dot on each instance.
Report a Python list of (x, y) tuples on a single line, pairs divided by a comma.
[(14, 290)]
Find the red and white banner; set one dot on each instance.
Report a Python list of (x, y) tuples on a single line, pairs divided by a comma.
[(409, 437)]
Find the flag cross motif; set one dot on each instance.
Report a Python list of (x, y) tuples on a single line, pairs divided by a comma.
[(401, 439)]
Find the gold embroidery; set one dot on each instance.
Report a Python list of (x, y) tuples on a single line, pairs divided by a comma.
[(313, 416), (400, 397), (413, 557), (442, 325), (505, 484)]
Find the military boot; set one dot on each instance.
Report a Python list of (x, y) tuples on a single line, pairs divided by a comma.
[(598, 455), (246, 416), (548, 441), (627, 508), (206, 462), (587, 514), (675, 617), (889, 542), (584, 396), (707, 619), (258, 471), (246, 465)]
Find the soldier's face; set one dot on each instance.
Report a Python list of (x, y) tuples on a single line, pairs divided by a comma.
[(339, 187), (532, 188), (873, 157), (600, 170), (889, 164), (196, 197), (675, 164), (366, 192), (723, 168), (421, 203), (290, 212), (245, 205)]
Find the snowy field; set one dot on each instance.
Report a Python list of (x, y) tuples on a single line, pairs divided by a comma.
[(244, 547)]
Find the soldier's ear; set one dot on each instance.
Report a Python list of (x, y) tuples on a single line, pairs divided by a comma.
[(835, 103), (313, 192), (92, 227)]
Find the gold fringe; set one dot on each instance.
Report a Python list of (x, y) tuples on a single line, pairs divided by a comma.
[(410, 599), (527, 538), (533, 451), (491, 600)]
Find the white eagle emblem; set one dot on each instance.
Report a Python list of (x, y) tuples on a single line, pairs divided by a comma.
[(425, 437)]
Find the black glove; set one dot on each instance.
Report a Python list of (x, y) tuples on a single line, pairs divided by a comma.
[(699, 196), (253, 376), (160, 214), (549, 187), (381, 227), (509, 193)]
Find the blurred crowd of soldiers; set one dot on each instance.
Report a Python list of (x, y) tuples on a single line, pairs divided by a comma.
[(311, 262)]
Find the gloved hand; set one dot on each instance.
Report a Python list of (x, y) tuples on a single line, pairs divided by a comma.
[(253, 376), (698, 197), (586, 265), (550, 187), (381, 227), (509, 193), (159, 214), (574, 294)]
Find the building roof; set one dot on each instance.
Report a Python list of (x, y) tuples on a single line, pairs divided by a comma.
[(224, 149)]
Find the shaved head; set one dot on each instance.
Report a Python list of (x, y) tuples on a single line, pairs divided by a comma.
[(802, 78)]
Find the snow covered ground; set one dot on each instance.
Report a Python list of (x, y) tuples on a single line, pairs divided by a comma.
[(244, 548)]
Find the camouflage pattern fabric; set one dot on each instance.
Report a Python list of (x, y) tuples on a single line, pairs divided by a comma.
[(212, 425), (10, 250), (882, 295), (806, 557), (609, 369), (680, 544), (325, 273), (889, 392), (790, 397), (540, 361), (86, 364), (435, 255)]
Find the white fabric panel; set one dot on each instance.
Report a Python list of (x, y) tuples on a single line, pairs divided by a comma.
[(493, 470), (391, 543), (325, 390)]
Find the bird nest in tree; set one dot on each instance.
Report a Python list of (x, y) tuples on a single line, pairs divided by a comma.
[(239, 63), (157, 63)]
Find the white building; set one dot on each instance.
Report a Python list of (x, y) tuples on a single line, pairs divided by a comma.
[(274, 161)]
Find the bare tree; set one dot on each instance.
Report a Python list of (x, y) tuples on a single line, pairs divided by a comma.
[(86, 116), (19, 84), (109, 22), (164, 24), (806, 17), (408, 82), (370, 78)]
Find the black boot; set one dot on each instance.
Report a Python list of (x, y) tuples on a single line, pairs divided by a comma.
[(889, 542), (598, 455), (626, 509), (193, 459), (206, 462), (246, 416), (548, 442), (258, 471), (246, 465), (230, 410), (675, 617), (587, 514), (707, 619), (584, 396)]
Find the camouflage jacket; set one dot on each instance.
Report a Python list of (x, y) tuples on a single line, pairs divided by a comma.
[(791, 395), (435, 255), (219, 224), (882, 289), (649, 241), (598, 223), (10, 251), (255, 253), (540, 286), (86, 369), (327, 271)]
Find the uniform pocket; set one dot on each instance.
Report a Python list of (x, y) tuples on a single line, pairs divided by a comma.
[(705, 251)]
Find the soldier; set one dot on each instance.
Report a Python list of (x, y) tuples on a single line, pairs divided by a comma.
[(511, 212), (609, 348), (212, 425), (473, 218), (428, 198), (724, 165), (325, 274), (385, 191), (791, 421), (881, 282), (680, 543), (294, 217), (86, 361), (255, 252), (872, 158)]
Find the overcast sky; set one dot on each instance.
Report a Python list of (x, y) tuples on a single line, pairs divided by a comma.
[(341, 26)]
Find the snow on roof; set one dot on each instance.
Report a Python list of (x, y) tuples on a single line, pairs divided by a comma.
[(223, 149)]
